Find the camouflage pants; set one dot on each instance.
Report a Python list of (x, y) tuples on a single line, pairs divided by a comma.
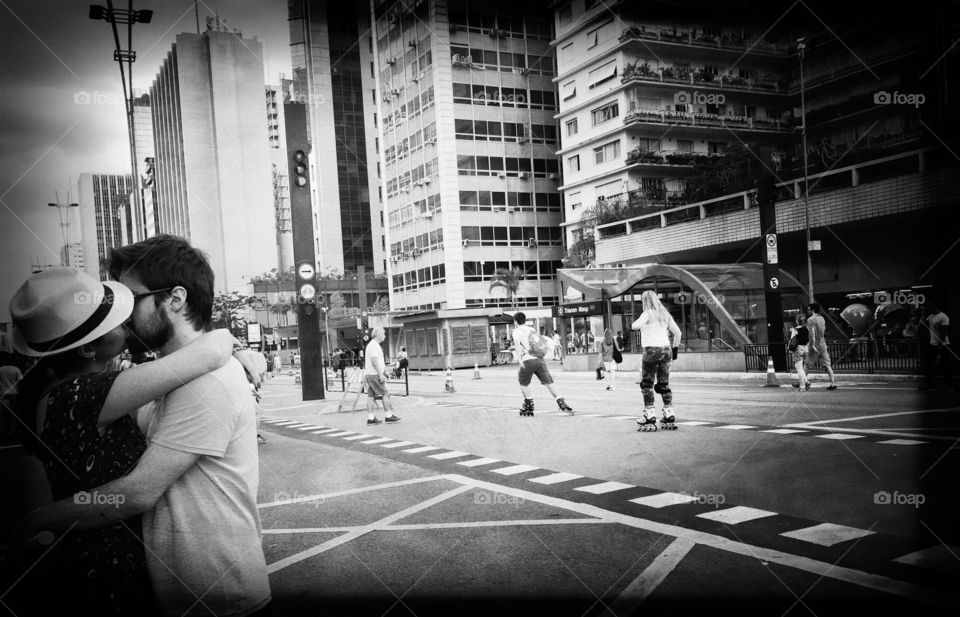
[(656, 366)]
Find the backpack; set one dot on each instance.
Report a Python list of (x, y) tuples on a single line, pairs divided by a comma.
[(539, 345)]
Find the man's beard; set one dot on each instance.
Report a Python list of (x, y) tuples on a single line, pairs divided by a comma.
[(153, 336)]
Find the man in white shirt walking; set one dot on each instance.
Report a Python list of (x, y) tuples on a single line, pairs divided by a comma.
[(375, 377), (939, 349)]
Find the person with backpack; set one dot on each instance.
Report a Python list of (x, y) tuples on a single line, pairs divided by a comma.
[(656, 325), (609, 357), (531, 347), (797, 346)]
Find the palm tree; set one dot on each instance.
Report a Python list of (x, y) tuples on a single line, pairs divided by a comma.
[(509, 280)]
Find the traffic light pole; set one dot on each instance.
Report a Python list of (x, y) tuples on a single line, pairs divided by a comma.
[(301, 218), (766, 201)]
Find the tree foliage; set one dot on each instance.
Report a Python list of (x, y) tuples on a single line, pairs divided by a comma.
[(509, 281)]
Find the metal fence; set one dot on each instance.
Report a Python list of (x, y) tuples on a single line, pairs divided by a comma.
[(890, 356)]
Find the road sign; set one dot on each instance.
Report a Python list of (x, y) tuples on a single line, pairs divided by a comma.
[(305, 271), (307, 291), (814, 245), (772, 257), (774, 282), (772, 241)]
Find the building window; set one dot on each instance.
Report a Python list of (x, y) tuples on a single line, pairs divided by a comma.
[(574, 200), (607, 112), (572, 128), (606, 152), (565, 15), (684, 145), (569, 90), (602, 74), (599, 34), (573, 163)]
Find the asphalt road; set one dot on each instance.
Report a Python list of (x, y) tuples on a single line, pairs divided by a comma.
[(770, 501)]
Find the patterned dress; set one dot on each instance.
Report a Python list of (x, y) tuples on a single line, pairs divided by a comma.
[(99, 571)]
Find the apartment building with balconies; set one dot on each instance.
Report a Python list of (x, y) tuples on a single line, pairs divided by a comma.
[(467, 138)]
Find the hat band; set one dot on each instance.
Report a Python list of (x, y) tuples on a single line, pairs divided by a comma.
[(88, 326)]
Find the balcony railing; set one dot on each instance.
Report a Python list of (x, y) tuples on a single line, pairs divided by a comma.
[(731, 41), (671, 158), (701, 78), (685, 118)]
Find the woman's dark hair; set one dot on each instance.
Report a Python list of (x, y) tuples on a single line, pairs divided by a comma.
[(169, 261)]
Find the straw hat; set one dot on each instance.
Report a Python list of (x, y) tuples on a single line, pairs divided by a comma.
[(62, 309)]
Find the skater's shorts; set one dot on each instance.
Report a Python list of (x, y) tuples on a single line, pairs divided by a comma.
[(375, 387), (800, 354), (533, 367), (819, 352)]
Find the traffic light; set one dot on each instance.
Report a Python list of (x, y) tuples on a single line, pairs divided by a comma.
[(300, 178), (365, 326)]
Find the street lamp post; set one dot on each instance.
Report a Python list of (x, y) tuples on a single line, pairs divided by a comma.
[(801, 48), (129, 56)]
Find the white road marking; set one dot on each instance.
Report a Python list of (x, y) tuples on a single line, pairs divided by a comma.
[(514, 469), (479, 461), (736, 427), (308, 427), (397, 444), (736, 515), (941, 557), (903, 442), (326, 431), (374, 526), (556, 478), (604, 487), (662, 500), (463, 525), (839, 436), (272, 409), (621, 417), (342, 434), (641, 587), (356, 437), (377, 440), (827, 534), (422, 449), (349, 491), (694, 423), (445, 455), (784, 431)]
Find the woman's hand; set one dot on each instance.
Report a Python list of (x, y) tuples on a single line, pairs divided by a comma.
[(218, 343), (253, 363)]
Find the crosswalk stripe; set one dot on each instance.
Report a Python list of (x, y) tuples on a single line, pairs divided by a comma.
[(736, 427), (377, 440), (903, 442), (479, 461), (445, 455), (736, 515), (827, 534), (839, 436), (422, 449), (784, 431), (662, 500), (356, 437), (326, 431), (341, 434), (514, 469), (396, 444), (556, 478), (603, 487)]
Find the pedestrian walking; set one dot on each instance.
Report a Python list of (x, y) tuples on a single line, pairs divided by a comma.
[(938, 351), (817, 348), (557, 347), (530, 352), (609, 351), (375, 377), (656, 326), (798, 348)]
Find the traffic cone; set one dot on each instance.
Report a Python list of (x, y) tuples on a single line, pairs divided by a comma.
[(771, 375), (448, 381), (476, 371)]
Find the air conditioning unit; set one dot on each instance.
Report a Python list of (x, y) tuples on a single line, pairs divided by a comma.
[(522, 140), (532, 243), (427, 180), (466, 243), (553, 176), (517, 71), (416, 78), (432, 140), (524, 175), (456, 58), (454, 28), (418, 183), (412, 43), (502, 174), (428, 215), (395, 92), (391, 60)]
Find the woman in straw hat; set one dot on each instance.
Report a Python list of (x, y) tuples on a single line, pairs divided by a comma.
[(77, 419)]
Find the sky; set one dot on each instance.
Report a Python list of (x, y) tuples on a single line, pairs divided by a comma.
[(61, 105)]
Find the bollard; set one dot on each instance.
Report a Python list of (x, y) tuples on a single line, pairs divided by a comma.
[(771, 375), (448, 381), (476, 371)]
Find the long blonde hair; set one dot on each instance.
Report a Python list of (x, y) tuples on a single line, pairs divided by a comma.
[(658, 313)]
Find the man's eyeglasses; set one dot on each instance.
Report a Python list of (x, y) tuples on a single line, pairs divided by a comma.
[(136, 297)]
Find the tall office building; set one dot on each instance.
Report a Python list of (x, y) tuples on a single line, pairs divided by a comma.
[(144, 217), (105, 220), (467, 142), (281, 186), (213, 172), (71, 256), (332, 58)]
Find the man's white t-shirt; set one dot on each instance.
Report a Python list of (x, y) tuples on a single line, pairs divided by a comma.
[(374, 363), (521, 343), (203, 535), (936, 320)]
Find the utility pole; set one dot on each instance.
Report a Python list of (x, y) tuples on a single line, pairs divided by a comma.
[(801, 49)]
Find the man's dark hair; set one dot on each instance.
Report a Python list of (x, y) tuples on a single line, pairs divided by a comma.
[(520, 318), (814, 308), (169, 261)]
